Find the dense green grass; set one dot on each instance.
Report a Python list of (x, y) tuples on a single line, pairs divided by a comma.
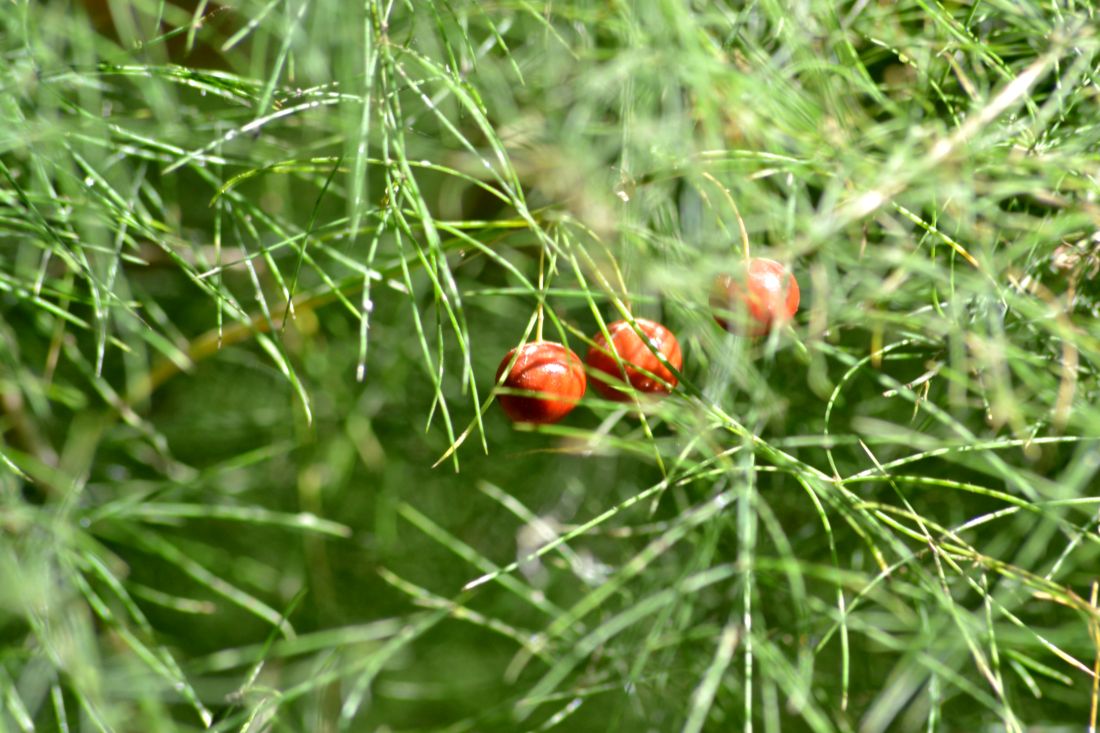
[(258, 266)]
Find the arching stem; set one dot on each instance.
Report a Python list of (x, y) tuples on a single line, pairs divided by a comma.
[(542, 294)]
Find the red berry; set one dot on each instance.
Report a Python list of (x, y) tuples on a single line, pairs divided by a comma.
[(549, 369), (769, 299), (635, 356)]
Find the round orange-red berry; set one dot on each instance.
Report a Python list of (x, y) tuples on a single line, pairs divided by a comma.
[(550, 373), (763, 298), (640, 367)]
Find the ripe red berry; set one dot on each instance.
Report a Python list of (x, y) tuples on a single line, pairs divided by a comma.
[(764, 297), (546, 368), (635, 356)]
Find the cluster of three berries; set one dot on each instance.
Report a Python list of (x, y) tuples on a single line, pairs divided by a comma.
[(623, 364)]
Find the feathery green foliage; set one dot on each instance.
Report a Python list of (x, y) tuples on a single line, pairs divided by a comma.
[(258, 266)]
